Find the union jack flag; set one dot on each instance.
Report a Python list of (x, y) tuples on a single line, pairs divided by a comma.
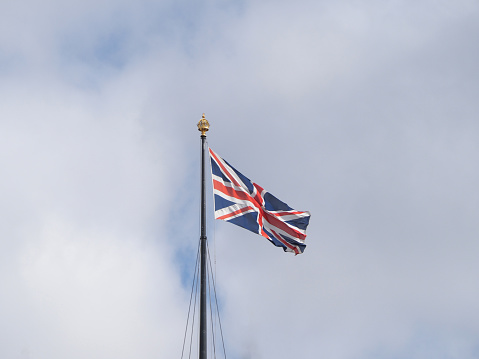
[(248, 205)]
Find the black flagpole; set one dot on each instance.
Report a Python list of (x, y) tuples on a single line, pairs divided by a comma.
[(203, 126)]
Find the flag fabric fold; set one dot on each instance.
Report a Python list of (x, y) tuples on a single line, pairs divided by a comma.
[(240, 201)]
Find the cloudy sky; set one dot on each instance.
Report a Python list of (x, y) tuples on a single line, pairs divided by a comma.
[(365, 113)]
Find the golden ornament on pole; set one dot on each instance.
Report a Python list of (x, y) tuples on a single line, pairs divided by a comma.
[(203, 125)]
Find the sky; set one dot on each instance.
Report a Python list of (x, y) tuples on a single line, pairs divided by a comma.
[(364, 113)]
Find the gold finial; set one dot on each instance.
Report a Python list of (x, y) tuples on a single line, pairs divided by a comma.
[(203, 125)]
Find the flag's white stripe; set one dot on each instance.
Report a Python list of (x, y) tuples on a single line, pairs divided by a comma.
[(298, 215), (288, 217), (238, 215), (231, 209), (236, 200)]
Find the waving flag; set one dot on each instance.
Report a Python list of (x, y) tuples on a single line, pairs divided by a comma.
[(244, 203)]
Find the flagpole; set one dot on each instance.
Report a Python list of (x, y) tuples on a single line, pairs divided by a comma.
[(203, 126)]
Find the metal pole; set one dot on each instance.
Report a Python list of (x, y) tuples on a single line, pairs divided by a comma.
[(203, 126)]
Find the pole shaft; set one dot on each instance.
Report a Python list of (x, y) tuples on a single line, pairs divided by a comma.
[(203, 317)]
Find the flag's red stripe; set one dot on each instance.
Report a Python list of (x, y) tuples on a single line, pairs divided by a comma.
[(232, 214), (286, 213), (229, 191), (258, 196), (289, 245)]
